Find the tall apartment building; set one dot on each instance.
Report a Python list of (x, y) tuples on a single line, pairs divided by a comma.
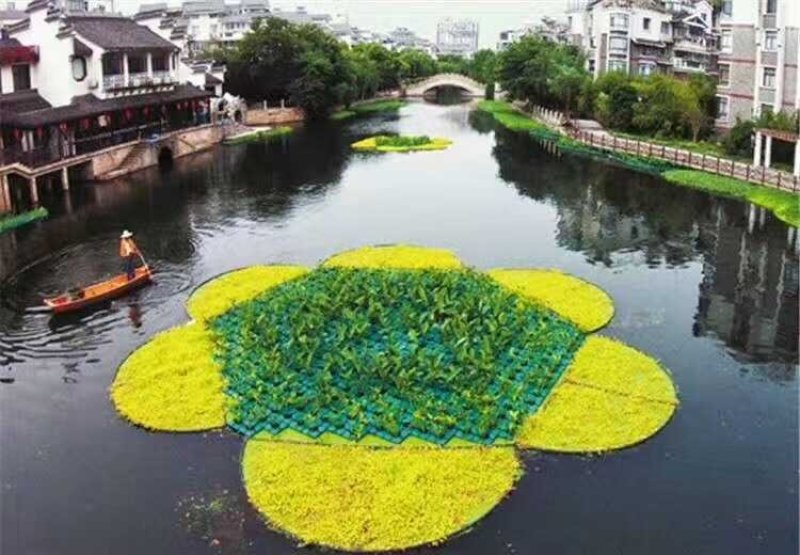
[(644, 36), (758, 58), (457, 37)]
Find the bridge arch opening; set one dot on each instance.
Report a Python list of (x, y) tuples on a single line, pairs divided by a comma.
[(447, 95), (165, 158)]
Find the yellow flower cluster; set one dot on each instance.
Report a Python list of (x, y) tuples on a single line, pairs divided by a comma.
[(395, 256), (371, 144), (580, 302), (362, 499), (217, 296), (172, 384), (612, 396)]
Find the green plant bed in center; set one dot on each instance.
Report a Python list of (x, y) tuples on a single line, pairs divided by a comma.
[(430, 354), (400, 143)]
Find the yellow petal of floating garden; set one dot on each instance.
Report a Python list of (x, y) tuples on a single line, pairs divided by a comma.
[(612, 396), (385, 143), (580, 419), (395, 256), (580, 302), (610, 365), (172, 383), (361, 499), (219, 295)]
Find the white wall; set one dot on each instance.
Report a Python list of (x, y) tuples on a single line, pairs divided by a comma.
[(52, 76)]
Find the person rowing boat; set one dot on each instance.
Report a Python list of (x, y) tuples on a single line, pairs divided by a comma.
[(129, 252)]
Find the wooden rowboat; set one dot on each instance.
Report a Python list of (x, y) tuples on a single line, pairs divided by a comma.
[(98, 292)]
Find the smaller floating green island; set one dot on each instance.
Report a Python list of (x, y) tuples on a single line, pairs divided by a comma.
[(399, 143)]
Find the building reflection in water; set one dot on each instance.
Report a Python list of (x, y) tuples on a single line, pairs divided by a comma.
[(748, 296)]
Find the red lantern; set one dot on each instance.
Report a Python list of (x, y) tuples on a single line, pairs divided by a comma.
[(40, 133), (17, 133), (128, 114), (85, 123), (64, 127)]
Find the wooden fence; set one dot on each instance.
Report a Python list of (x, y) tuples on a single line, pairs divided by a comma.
[(711, 164), (705, 162)]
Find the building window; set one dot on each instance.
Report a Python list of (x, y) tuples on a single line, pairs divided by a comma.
[(724, 75), (646, 69), (768, 79), (21, 74), (112, 63), (766, 109), (617, 65), (772, 7), (770, 40), (137, 64), (78, 68), (727, 7), (591, 66), (723, 107), (592, 43), (160, 62), (646, 23), (665, 28), (726, 41), (618, 44), (619, 21)]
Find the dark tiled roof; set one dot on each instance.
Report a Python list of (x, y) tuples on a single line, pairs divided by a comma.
[(118, 33), (19, 102), (212, 80), (7, 42), (12, 14), (89, 105), (80, 49)]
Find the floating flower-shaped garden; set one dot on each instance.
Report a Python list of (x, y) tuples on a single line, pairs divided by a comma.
[(400, 143), (384, 395)]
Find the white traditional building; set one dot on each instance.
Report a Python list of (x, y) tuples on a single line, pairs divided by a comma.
[(73, 83)]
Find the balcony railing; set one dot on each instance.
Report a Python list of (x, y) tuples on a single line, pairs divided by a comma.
[(694, 44), (682, 64), (770, 21), (111, 82), (163, 77), (139, 79)]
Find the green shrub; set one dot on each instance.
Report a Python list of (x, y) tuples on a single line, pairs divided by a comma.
[(10, 222), (397, 140)]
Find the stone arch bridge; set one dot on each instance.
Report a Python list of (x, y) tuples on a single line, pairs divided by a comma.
[(469, 86)]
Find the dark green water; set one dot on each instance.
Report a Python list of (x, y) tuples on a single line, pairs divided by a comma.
[(707, 285)]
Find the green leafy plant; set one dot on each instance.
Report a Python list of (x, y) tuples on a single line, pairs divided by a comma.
[(391, 353)]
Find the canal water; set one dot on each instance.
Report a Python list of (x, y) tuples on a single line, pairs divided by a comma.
[(707, 285)]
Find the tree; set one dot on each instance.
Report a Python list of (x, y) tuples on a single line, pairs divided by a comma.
[(278, 59), (523, 69), (567, 83), (415, 64), (616, 98), (482, 66)]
